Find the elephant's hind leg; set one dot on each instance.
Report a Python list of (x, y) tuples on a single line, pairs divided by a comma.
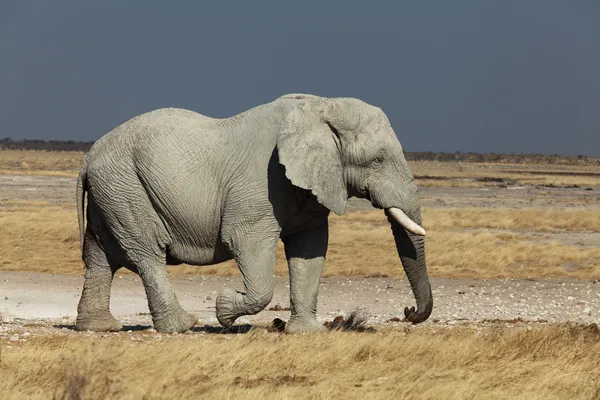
[(167, 313), (93, 311), (141, 240)]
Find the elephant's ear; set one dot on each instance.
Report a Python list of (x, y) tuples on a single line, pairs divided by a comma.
[(308, 147)]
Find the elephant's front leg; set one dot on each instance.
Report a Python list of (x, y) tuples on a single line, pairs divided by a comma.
[(255, 256), (305, 252)]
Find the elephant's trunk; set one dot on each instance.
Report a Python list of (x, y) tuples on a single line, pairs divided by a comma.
[(411, 250)]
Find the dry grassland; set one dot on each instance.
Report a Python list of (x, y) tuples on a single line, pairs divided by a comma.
[(533, 219), (496, 361), (450, 174), (429, 173), (467, 242), (30, 162), (488, 360)]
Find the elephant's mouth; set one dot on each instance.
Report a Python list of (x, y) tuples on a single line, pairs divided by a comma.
[(397, 214), (404, 221)]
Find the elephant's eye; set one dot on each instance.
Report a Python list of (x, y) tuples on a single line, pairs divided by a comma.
[(377, 162)]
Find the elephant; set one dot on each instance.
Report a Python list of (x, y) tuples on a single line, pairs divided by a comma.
[(172, 186)]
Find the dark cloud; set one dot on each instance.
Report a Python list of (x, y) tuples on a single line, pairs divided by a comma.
[(510, 76)]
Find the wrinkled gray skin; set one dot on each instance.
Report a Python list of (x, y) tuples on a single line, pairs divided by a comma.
[(172, 186)]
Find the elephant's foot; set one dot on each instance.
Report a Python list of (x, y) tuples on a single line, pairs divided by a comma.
[(174, 322), (304, 324), (226, 307), (232, 304), (98, 322)]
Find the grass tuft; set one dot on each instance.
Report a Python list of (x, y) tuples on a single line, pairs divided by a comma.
[(355, 321)]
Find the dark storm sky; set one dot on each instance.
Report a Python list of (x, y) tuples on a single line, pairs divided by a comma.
[(487, 76)]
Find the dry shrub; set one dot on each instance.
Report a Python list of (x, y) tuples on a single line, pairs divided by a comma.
[(355, 321), (547, 362)]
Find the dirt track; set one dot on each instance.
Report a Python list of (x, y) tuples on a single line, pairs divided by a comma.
[(52, 299)]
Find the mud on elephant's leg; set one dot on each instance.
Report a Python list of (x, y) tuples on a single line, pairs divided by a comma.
[(305, 252), (167, 313), (255, 256), (93, 311)]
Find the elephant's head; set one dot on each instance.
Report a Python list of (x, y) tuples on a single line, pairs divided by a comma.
[(342, 147)]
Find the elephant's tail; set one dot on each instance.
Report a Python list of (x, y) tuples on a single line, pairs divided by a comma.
[(80, 197)]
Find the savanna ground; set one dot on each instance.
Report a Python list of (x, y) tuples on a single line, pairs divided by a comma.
[(513, 249)]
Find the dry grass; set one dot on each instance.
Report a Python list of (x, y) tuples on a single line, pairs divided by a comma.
[(31, 162), (361, 244), (533, 219), (461, 243), (500, 361), (450, 174), (40, 239)]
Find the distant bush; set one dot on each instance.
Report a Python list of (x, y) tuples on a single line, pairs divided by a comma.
[(502, 158), (48, 145)]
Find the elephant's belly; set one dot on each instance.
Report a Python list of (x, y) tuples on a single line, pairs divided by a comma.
[(180, 253)]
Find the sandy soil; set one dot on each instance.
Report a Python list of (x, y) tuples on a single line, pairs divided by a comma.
[(52, 299), (53, 189)]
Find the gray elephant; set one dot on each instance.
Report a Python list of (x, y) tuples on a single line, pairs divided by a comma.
[(172, 186)]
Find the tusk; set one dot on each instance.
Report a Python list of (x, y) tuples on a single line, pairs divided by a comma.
[(406, 222)]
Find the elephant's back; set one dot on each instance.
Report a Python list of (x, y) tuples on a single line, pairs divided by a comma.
[(163, 120), (167, 119), (157, 124)]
